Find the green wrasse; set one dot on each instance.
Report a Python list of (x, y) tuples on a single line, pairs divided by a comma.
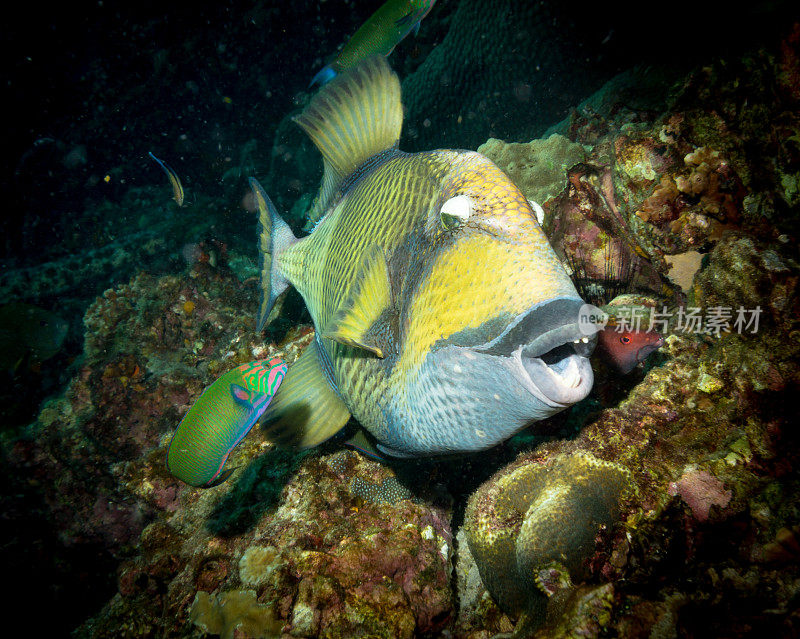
[(444, 320), (28, 333), (392, 22), (219, 419)]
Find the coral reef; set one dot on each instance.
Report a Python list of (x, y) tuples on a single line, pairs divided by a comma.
[(471, 85), (707, 434), (234, 613), (532, 526), (346, 566), (257, 564), (700, 489), (539, 168)]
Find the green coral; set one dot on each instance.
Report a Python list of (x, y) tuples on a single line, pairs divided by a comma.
[(224, 612), (539, 167), (532, 526), (472, 84)]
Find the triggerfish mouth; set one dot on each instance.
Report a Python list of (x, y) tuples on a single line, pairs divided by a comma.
[(219, 419), (444, 321)]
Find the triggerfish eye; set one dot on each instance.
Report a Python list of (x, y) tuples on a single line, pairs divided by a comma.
[(219, 419)]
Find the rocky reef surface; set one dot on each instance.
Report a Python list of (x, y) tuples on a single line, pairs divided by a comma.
[(695, 457)]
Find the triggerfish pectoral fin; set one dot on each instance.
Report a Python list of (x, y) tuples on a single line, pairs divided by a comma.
[(219, 419), (307, 411)]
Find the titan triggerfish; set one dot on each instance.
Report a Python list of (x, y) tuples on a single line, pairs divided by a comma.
[(444, 320)]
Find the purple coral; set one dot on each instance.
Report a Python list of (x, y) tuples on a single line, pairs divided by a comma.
[(701, 490)]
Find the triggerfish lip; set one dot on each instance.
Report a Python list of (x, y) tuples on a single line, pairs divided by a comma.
[(559, 385), (542, 328), (550, 351)]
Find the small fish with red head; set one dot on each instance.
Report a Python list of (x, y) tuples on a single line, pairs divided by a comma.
[(625, 349), (629, 332)]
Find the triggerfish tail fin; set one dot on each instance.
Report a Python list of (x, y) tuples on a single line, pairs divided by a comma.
[(306, 411), (274, 236), (219, 419), (352, 119), (174, 180)]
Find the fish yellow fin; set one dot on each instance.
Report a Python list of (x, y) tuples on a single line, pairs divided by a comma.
[(274, 236), (353, 118), (305, 411), (354, 322)]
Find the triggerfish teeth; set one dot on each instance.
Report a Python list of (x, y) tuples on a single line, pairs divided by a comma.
[(444, 321), (219, 419)]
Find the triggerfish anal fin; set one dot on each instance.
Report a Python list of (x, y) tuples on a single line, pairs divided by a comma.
[(219, 419), (274, 236), (174, 180), (307, 411), (379, 35)]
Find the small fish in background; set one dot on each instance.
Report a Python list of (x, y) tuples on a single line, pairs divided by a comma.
[(624, 350), (29, 333), (219, 419), (174, 180), (392, 22), (621, 345)]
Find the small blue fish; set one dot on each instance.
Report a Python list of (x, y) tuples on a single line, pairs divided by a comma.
[(219, 419)]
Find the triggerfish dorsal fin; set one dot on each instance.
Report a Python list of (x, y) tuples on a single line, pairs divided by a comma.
[(274, 236), (219, 419), (353, 118), (354, 322), (307, 411)]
